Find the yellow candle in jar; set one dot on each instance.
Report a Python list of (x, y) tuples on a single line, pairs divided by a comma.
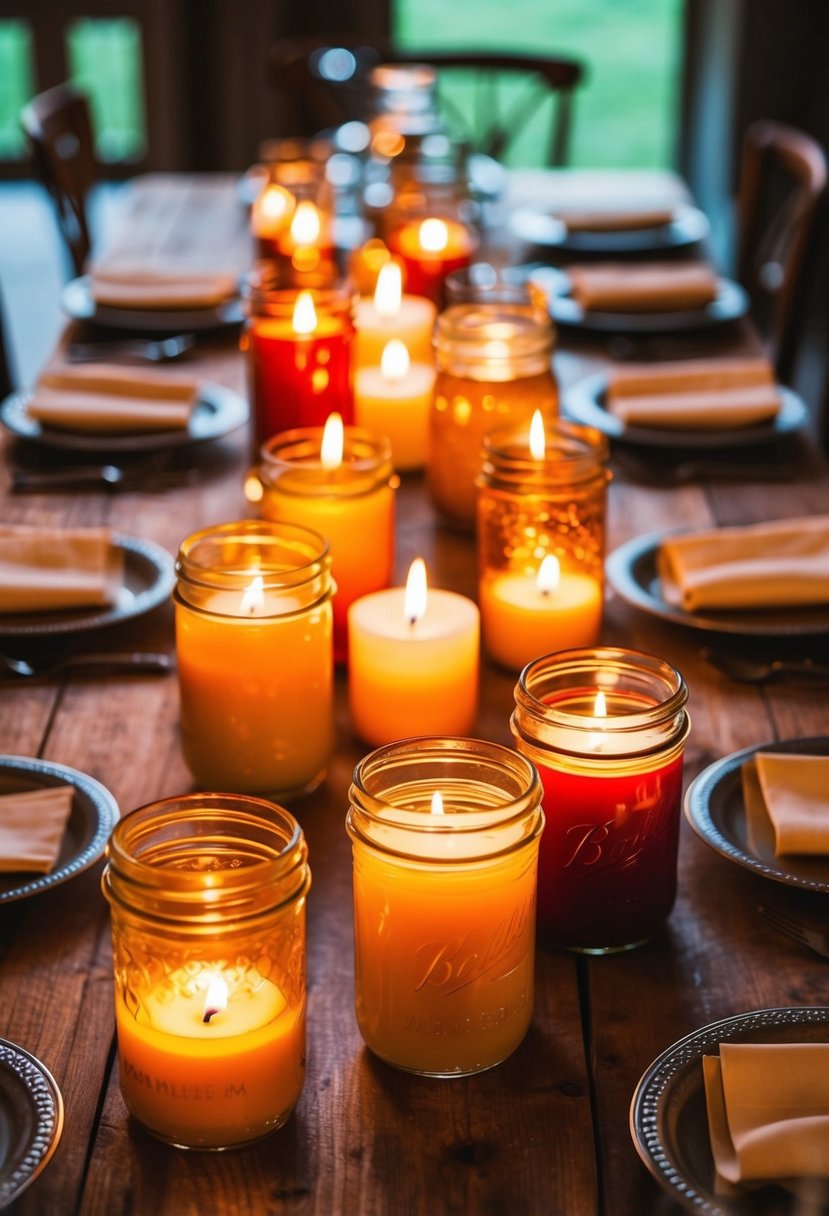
[(395, 400), (390, 314), (204, 1065), (525, 616)]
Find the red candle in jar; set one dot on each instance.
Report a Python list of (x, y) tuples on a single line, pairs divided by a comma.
[(300, 364), (431, 249), (270, 215), (306, 247)]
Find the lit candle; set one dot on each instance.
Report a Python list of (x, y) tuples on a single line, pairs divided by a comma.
[(430, 249), (445, 836), (390, 315), (395, 400), (255, 662), (307, 242), (300, 360), (413, 658), (365, 264), (270, 215), (340, 482)]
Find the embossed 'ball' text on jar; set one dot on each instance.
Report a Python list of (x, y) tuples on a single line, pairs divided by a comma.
[(494, 366), (606, 728), (207, 897), (445, 842)]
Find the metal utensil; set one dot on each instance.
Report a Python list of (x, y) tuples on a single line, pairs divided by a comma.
[(759, 671), (128, 662), (150, 350), (142, 474), (806, 934)]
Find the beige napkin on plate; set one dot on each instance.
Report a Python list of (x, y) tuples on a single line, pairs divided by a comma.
[(655, 287), (768, 1110), (46, 569), (795, 794), (101, 397), (705, 394), (769, 565), (32, 825), (614, 220), (133, 287)]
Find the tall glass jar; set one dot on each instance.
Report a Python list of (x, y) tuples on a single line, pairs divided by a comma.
[(494, 369), (207, 896), (606, 728), (541, 539), (444, 902), (255, 657)]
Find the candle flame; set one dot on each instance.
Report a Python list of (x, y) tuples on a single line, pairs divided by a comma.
[(306, 225), (253, 597), (216, 998), (538, 440), (600, 705), (333, 440), (437, 804), (549, 574), (394, 361), (304, 320), (434, 236), (388, 293), (414, 601), (273, 202)]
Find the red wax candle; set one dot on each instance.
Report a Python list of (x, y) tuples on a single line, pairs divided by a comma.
[(430, 250), (305, 248)]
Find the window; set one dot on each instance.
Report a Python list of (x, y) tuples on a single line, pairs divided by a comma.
[(15, 85)]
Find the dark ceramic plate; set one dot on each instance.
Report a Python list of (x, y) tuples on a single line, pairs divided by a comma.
[(543, 229), (77, 302), (31, 1119)]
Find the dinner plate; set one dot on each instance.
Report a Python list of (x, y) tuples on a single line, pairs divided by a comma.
[(715, 809), (631, 571), (543, 229), (77, 302), (149, 577), (93, 816), (730, 304), (668, 1121), (31, 1119), (586, 402), (218, 411)]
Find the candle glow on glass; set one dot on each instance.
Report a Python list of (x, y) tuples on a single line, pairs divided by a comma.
[(388, 294), (333, 442), (253, 598), (306, 225), (437, 804), (434, 235), (538, 440)]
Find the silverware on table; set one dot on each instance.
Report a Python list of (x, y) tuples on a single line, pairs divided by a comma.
[(150, 350), (759, 671), (102, 663), (151, 474), (806, 934)]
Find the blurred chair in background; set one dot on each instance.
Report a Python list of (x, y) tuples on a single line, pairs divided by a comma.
[(782, 186), (6, 377), (58, 129)]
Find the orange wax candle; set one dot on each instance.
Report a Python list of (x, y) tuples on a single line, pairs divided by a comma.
[(445, 839), (413, 662), (395, 400), (409, 318), (430, 249)]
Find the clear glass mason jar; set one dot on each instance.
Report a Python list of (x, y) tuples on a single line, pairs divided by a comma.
[(494, 369), (541, 540), (444, 902), (352, 506), (255, 657), (483, 283), (612, 778), (207, 896)]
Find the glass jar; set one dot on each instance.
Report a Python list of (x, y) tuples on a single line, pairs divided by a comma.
[(351, 505), (541, 540), (298, 345), (606, 728), (483, 283), (255, 657), (494, 369), (207, 896), (444, 902)]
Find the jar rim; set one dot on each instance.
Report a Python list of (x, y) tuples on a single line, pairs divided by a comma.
[(310, 549), (573, 452), (293, 458)]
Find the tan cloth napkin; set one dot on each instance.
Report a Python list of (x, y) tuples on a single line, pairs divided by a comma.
[(795, 793), (771, 565), (614, 220), (45, 569), (32, 826), (768, 1110), (133, 287), (709, 394), (105, 397), (656, 287)]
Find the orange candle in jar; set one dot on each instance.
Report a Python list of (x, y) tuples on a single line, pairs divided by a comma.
[(430, 249), (395, 400)]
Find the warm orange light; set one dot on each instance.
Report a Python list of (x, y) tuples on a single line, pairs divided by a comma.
[(538, 440), (600, 705), (437, 803), (388, 293), (253, 598), (333, 438), (306, 225), (273, 203), (216, 997), (434, 236), (394, 361), (549, 574), (414, 601), (304, 320)]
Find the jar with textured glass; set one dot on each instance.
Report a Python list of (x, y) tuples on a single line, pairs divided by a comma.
[(494, 369), (541, 538), (207, 896)]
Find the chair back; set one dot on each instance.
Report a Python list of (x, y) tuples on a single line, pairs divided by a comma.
[(782, 185), (58, 129), (6, 377)]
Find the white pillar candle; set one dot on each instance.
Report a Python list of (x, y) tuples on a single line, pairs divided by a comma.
[(395, 400), (392, 315)]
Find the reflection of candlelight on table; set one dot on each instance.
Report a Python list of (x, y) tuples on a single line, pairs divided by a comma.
[(395, 400)]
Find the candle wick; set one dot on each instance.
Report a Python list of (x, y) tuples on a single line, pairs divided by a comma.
[(412, 622), (208, 1014)]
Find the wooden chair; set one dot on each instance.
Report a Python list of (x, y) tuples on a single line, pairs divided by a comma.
[(782, 186), (6, 377), (58, 129)]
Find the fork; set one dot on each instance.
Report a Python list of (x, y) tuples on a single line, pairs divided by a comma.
[(146, 474), (94, 664), (152, 350), (798, 930)]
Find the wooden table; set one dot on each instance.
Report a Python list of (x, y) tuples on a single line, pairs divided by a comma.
[(547, 1131)]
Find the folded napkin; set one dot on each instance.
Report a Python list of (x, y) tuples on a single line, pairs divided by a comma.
[(771, 565), (32, 827), (128, 287), (614, 220), (794, 792), (656, 287), (768, 1110), (690, 394), (44, 569), (104, 397)]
